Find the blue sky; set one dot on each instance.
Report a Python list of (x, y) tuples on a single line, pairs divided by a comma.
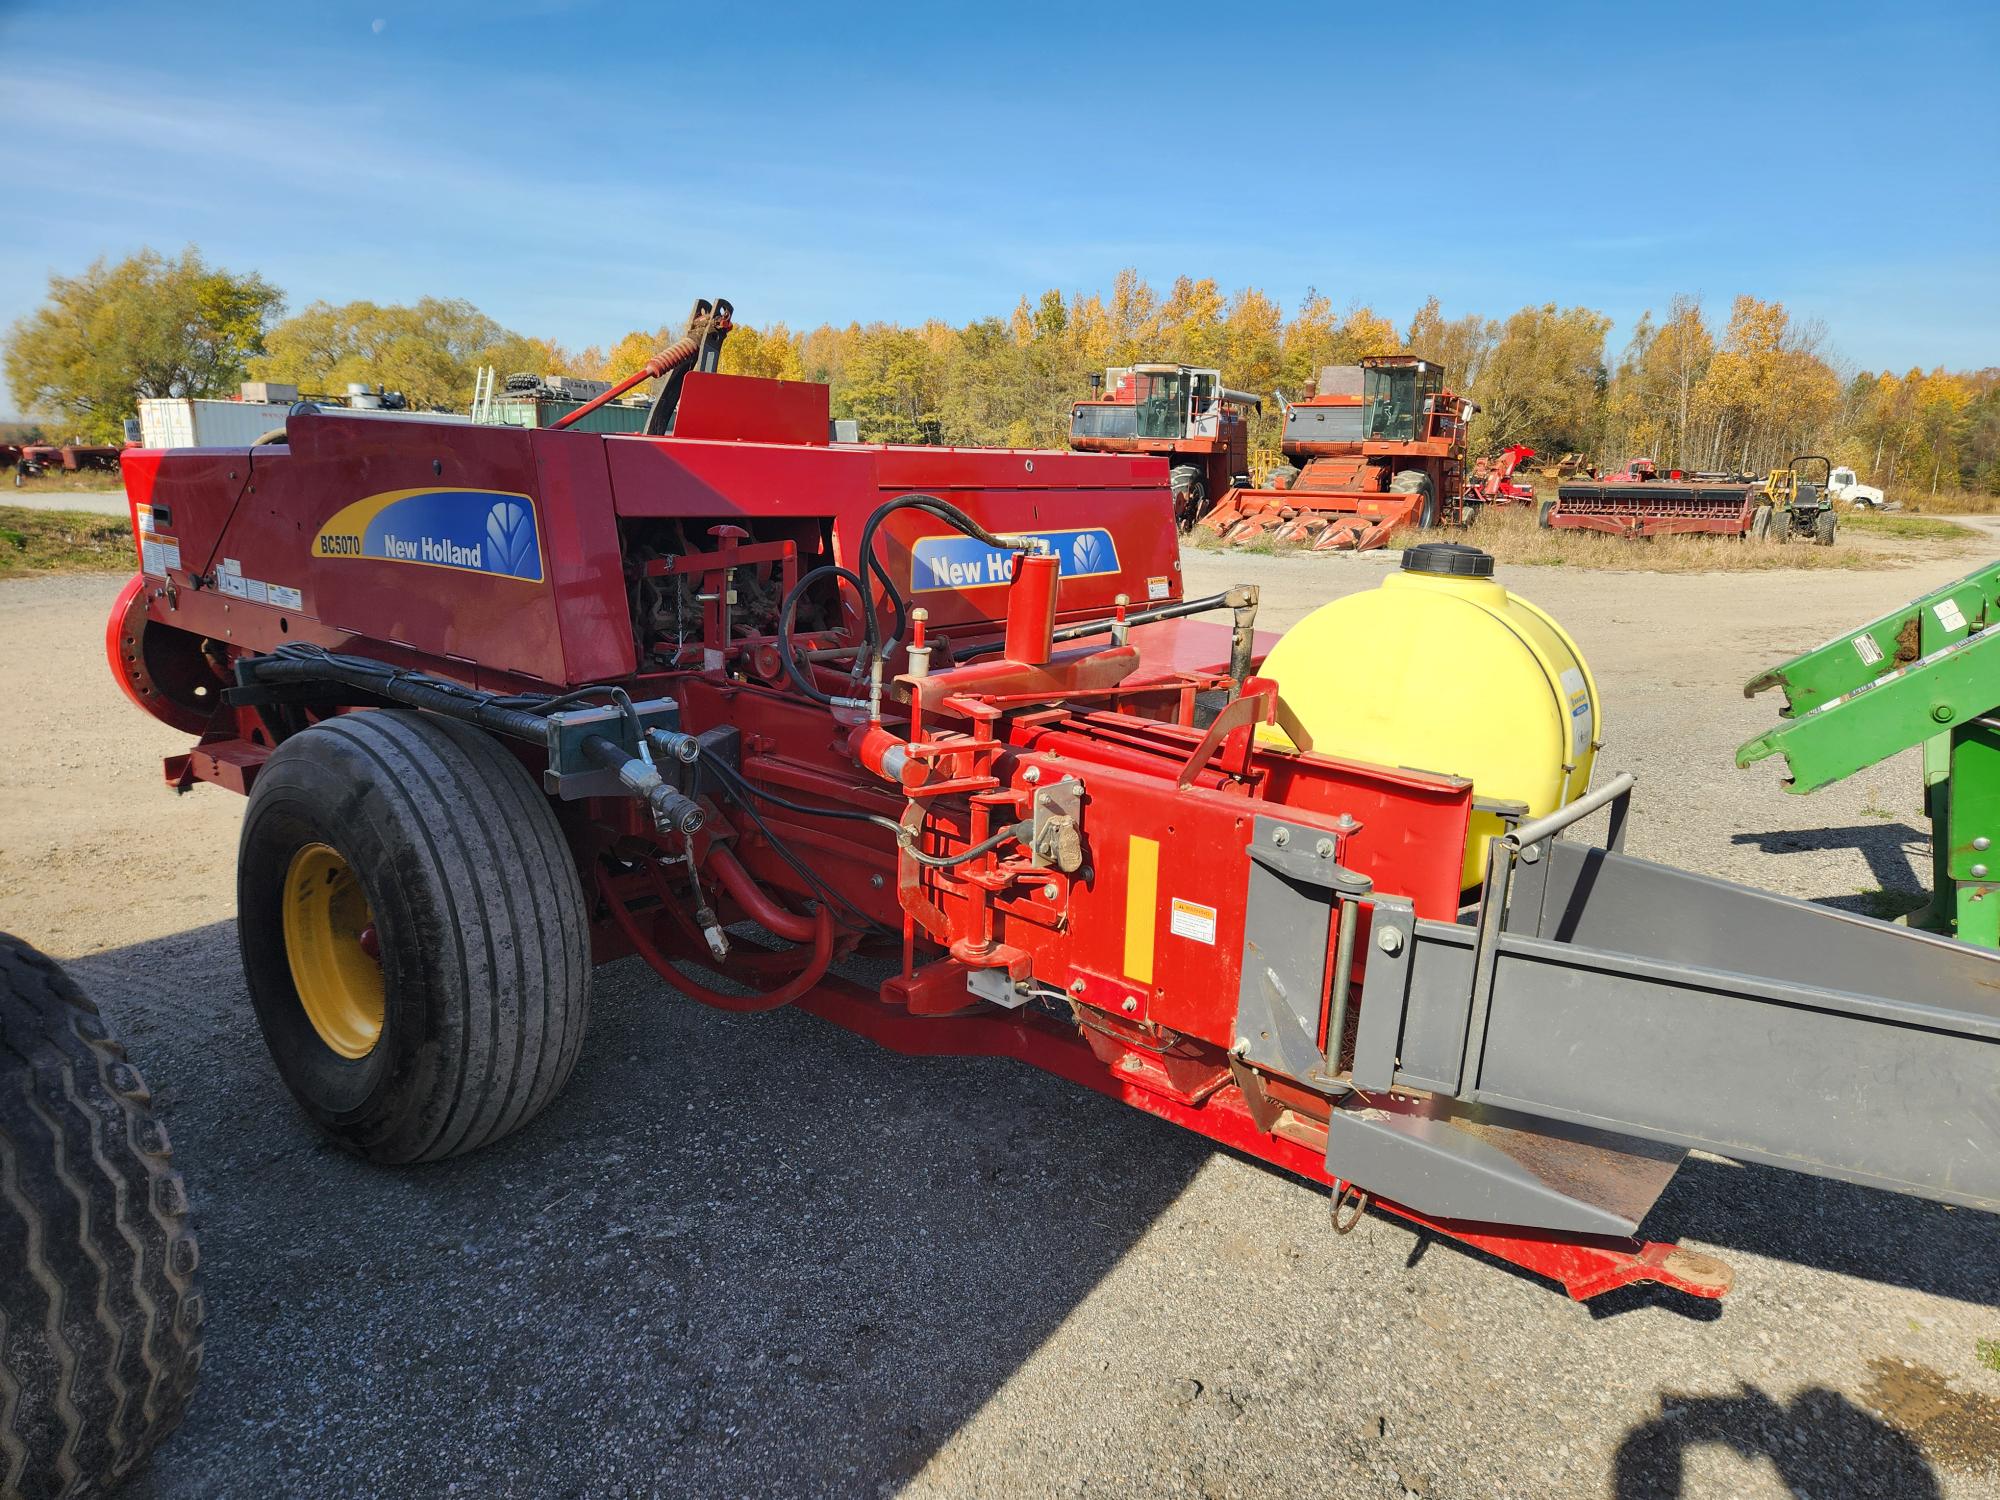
[(579, 169)]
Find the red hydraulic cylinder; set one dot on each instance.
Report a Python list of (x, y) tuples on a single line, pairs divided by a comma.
[(1031, 608)]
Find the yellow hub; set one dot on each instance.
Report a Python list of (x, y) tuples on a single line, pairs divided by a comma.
[(329, 934)]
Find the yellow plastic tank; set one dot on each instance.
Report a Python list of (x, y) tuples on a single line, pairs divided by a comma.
[(1442, 669)]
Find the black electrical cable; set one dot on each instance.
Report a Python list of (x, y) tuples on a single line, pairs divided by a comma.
[(788, 616)]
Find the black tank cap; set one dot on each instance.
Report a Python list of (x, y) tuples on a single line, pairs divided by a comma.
[(1448, 559)]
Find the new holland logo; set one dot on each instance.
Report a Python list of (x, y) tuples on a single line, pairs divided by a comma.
[(475, 531), (962, 562)]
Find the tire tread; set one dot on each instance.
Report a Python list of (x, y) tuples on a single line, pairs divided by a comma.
[(100, 1340)]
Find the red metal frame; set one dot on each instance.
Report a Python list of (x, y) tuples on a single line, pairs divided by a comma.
[(1126, 908), (1644, 512)]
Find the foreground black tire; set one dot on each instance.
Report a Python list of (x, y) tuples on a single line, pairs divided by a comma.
[(1823, 529), (100, 1314), (413, 934)]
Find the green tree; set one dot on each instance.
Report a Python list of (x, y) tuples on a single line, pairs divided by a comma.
[(1652, 397), (1460, 345), (144, 326), (429, 351), (1544, 382)]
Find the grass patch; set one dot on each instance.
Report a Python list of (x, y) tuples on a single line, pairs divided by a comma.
[(1511, 535), (62, 541), (1945, 502), (1904, 527), (69, 482), (1989, 1354), (1886, 906)]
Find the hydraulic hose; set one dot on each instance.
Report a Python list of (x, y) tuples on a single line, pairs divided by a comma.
[(413, 690), (945, 511), (755, 901), (788, 616), (815, 969)]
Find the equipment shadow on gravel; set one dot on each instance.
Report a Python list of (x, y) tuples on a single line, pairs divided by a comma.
[(739, 1255), (1887, 847), (1820, 1443)]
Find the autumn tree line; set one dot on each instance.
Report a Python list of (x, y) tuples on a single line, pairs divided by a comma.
[(1692, 388)]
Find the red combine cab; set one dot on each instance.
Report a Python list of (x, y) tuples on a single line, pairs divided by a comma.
[(1180, 413), (511, 703), (1378, 447)]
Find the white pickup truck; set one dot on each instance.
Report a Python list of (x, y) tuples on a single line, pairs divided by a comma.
[(1843, 485)]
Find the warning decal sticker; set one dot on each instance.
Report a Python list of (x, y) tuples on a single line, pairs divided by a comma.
[(1190, 919)]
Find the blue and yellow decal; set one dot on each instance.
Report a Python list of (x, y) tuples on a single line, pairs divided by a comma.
[(962, 562), (474, 531)]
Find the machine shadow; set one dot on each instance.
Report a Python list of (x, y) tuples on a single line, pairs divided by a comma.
[(1885, 846), (1820, 1443), (739, 1255)]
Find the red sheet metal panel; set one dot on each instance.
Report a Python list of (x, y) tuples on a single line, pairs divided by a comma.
[(743, 408)]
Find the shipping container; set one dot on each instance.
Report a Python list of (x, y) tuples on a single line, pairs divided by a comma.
[(183, 422)]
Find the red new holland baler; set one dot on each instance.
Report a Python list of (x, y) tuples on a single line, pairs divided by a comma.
[(749, 703)]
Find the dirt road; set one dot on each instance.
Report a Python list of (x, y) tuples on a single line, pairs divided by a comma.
[(751, 1255)]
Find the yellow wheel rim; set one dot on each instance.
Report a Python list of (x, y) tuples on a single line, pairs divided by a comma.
[(329, 932)]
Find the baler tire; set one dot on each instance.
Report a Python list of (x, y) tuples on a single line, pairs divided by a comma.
[(480, 925), (1542, 513), (100, 1311), (1760, 523)]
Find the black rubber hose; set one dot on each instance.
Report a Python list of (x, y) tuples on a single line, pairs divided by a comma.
[(945, 511), (741, 792), (788, 615), (735, 782), (411, 690), (948, 861)]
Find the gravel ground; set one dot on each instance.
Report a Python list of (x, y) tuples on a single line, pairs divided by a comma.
[(92, 502), (751, 1256)]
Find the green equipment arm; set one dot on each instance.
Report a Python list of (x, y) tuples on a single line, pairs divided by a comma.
[(1897, 640), (1955, 685)]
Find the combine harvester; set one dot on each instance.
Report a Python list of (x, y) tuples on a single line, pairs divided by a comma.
[(1378, 447), (1181, 413), (508, 703)]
